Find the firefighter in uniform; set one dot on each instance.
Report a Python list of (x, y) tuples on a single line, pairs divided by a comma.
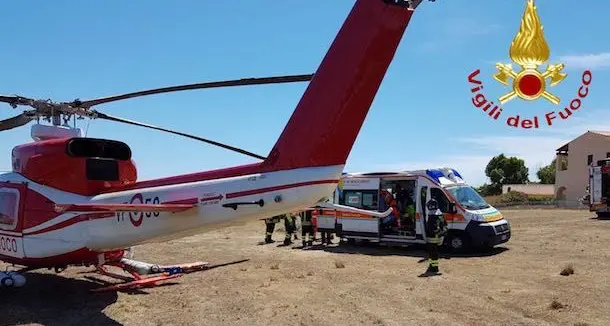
[(270, 224), (436, 227), (307, 234), (290, 226)]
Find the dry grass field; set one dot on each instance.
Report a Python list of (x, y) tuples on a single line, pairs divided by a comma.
[(517, 284)]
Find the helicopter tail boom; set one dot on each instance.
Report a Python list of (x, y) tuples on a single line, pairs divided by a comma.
[(328, 118)]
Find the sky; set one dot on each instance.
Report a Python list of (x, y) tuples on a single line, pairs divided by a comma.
[(63, 50)]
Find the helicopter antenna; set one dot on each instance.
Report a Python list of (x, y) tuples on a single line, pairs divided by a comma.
[(52, 111)]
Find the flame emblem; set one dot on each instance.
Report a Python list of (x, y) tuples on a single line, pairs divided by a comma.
[(529, 50)]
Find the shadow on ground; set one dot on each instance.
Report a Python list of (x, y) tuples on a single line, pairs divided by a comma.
[(373, 249), (51, 300), (600, 218)]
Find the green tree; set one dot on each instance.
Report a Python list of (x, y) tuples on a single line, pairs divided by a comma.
[(489, 190), (546, 174), (503, 170)]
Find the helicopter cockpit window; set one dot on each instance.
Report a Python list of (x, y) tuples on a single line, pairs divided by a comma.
[(99, 148), (9, 199)]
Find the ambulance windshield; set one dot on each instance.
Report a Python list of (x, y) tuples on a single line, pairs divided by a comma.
[(468, 197)]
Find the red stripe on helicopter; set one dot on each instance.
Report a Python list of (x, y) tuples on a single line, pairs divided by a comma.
[(71, 221), (276, 188), (173, 206), (123, 207), (190, 201)]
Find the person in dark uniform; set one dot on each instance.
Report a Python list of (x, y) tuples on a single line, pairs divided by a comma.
[(436, 227), (270, 225), (306, 228), (326, 237), (290, 226)]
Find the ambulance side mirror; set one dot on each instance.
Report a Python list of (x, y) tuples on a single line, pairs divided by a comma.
[(452, 208)]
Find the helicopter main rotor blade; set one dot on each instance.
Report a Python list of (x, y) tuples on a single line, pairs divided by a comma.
[(99, 115), (16, 100), (14, 122), (8, 99), (237, 82)]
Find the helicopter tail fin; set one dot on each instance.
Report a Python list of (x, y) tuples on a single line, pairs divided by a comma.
[(328, 118)]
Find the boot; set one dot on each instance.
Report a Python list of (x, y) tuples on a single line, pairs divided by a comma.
[(268, 239), (287, 241), (432, 270)]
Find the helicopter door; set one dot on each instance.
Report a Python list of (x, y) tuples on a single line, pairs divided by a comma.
[(11, 206)]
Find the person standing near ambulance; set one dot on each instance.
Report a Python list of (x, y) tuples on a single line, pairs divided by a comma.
[(290, 226), (270, 227), (307, 232), (436, 227)]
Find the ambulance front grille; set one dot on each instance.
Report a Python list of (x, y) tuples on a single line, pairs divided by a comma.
[(502, 228)]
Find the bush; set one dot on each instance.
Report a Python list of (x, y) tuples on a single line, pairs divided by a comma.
[(492, 200), (541, 198), (513, 197), (517, 197), (489, 190)]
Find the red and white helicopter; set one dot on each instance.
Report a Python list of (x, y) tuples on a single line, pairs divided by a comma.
[(75, 201)]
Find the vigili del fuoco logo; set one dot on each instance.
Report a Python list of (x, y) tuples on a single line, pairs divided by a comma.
[(529, 50)]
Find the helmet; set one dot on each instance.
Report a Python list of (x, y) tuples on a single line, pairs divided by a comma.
[(432, 205)]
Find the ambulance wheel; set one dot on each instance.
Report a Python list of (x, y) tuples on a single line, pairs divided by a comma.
[(458, 242), (603, 214)]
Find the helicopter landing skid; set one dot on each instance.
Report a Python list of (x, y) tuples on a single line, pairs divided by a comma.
[(137, 280)]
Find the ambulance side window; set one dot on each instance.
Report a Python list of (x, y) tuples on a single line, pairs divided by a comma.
[(9, 199), (360, 199), (443, 202)]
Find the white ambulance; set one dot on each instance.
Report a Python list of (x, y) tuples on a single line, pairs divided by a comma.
[(471, 221), (599, 188)]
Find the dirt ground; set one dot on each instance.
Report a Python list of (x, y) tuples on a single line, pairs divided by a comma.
[(517, 284)]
